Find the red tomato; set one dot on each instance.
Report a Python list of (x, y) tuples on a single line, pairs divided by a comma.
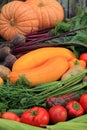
[(10, 116), (74, 109), (57, 114), (83, 56), (83, 101), (36, 116)]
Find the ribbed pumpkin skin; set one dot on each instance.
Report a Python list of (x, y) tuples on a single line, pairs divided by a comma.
[(17, 17), (48, 12)]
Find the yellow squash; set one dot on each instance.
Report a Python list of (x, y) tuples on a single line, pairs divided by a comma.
[(37, 57), (51, 70)]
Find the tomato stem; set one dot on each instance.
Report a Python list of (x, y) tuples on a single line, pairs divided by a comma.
[(34, 113), (76, 106)]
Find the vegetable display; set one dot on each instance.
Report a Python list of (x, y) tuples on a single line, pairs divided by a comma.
[(43, 66)]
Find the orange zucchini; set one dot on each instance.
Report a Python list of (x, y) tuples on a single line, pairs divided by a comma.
[(51, 70), (37, 57)]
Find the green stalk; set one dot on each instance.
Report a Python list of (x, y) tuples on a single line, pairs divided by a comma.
[(74, 77), (59, 89), (53, 88), (73, 82), (74, 88), (44, 85), (58, 93), (66, 86)]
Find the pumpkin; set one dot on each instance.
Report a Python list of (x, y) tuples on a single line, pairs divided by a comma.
[(17, 18), (3, 2), (48, 12)]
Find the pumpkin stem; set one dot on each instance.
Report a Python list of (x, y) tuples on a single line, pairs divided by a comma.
[(12, 22), (40, 4)]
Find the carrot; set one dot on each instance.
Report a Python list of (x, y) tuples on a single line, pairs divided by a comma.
[(51, 70), (39, 56)]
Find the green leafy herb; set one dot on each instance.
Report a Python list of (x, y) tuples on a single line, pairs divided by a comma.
[(78, 37)]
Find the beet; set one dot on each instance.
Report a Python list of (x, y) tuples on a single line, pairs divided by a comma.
[(4, 51), (9, 60), (18, 39)]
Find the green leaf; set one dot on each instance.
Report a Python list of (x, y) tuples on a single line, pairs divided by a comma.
[(60, 27)]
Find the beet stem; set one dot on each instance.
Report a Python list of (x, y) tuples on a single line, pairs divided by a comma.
[(33, 47), (50, 37), (38, 35)]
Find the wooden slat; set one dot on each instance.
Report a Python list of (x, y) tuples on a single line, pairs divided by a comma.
[(70, 6)]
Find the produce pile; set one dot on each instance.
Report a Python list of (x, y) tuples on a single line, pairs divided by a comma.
[(43, 66)]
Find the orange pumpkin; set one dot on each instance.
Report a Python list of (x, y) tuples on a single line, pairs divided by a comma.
[(48, 12), (17, 17)]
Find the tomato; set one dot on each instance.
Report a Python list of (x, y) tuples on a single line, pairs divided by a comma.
[(57, 114), (11, 116), (83, 101), (74, 109), (83, 56), (36, 116)]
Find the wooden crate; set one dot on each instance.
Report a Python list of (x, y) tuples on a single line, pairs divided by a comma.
[(70, 6)]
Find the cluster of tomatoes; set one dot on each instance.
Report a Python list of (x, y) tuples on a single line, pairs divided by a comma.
[(40, 116)]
